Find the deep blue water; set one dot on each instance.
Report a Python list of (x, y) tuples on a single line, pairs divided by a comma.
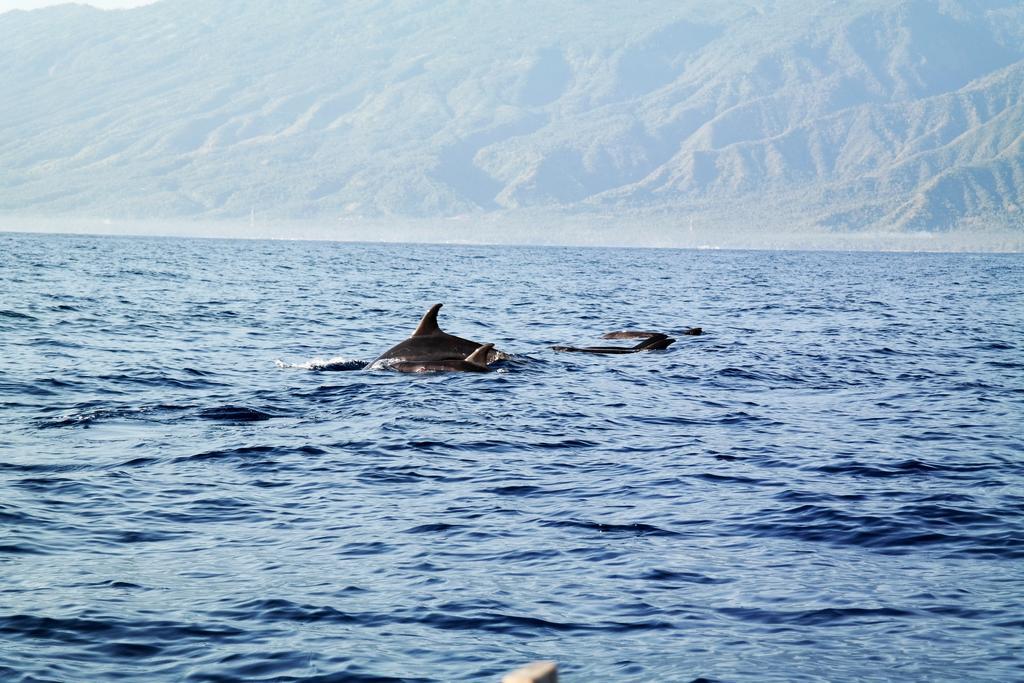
[(828, 485)]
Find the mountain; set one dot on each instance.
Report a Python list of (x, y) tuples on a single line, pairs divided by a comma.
[(862, 115)]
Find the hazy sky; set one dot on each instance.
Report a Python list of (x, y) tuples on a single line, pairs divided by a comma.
[(6, 5)]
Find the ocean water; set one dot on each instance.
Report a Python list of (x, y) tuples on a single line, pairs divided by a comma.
[(197, 481)]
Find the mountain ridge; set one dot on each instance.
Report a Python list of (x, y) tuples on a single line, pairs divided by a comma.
[(845, 117)]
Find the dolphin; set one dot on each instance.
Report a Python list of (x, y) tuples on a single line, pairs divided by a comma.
[(638, 334), (652, 341), (429, 343), (474, 362)]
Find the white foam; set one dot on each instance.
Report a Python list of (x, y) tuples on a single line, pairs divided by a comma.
[(320, 363)]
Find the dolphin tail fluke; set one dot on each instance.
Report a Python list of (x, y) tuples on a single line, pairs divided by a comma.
[(428, 324), (479, 357)]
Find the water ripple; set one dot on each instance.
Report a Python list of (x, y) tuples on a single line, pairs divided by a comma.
[(199, 481)]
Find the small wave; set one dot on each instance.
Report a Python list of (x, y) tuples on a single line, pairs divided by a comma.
[(134, 462), (42, 467), (84, 418), (905, 468), (162, 381), (127, 650), (56, 343), (52, 485), (278, 610), (111, 583), (25, 388), (774, 378), (20, 549), (993, 346), (231, 413), (16, 315), (513, 624), (13, 516), (733, 479), (120, 538), (636, 528), (829, 616), (436, 527), (271, 610), (151, 274), (668, 576), (956, 533), (517, 490), (85, 414), (83, 630), (886, 351), (360, 549), (253, 459), (336, 364), (244, 452), (392, 475)]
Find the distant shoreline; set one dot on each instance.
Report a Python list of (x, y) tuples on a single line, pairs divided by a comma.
[(428, 232)]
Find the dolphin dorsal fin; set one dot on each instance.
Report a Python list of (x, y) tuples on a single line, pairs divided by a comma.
[(479, 357), (651, 340), (428, 324)]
